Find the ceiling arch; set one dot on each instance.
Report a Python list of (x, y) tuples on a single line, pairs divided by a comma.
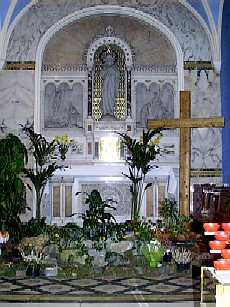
[(197, 5)]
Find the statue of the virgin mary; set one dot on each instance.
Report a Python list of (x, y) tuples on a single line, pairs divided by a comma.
[(110, 83)]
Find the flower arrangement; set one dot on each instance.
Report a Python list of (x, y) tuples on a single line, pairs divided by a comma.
[(153, 252), (182, 255), (4, 237), (64, 142), (32, 248)]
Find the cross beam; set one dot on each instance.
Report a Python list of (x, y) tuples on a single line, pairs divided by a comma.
[(185, 123)]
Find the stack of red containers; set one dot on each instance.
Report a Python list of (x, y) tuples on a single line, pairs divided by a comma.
[(218, 246)]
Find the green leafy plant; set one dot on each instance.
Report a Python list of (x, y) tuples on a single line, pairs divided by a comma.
[(13, 156), (96, 220), (143, 232), (153, 253), (117, 231), (42, 151), (172, 221), (169, 213), (34, 227), (140, 155)]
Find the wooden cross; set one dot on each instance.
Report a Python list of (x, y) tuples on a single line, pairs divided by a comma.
[(185, 123)]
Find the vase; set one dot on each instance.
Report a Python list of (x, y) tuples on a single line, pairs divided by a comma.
[(181, 267), (33, 270)]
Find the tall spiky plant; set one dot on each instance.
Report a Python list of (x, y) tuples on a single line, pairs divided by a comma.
[(140, 155), (42, 151)]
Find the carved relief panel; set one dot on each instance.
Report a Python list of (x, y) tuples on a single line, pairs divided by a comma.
[(155, 99), (63, 103)]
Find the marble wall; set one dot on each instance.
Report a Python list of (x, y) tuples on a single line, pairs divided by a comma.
[(173, 14), (205, 95), (16, 100)]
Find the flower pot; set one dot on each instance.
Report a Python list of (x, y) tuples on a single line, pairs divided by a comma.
[(20, 273), (167, 257), (181, 267), (36, 271), (153, 263), (29, 270), (51, 271)]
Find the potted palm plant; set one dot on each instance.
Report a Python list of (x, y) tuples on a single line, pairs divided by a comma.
[(140, 155), (42, 151)]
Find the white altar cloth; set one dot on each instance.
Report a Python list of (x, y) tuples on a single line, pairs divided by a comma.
[(113, 172)]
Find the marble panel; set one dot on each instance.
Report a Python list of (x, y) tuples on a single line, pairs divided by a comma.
[(206, 148), (45, 13), (205, 102), (154, 102), (204, 180), (16, 99), (205, 92)]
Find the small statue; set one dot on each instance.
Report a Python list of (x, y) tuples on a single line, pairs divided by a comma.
[(110, 83)]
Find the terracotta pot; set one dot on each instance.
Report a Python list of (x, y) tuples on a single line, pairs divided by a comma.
[(217, 245), (222, 264), (211, 227)]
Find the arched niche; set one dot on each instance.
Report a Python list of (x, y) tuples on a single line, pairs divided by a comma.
[(50, 38)]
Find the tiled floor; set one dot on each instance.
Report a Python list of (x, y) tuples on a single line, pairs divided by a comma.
[(182, 304), (159, 288)]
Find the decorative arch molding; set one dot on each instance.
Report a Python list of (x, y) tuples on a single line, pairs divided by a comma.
[(187, 13), (98, 10), (9, 31), (110, 39)]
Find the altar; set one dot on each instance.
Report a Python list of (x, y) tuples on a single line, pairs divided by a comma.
[(112, 92), (62, 205)]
